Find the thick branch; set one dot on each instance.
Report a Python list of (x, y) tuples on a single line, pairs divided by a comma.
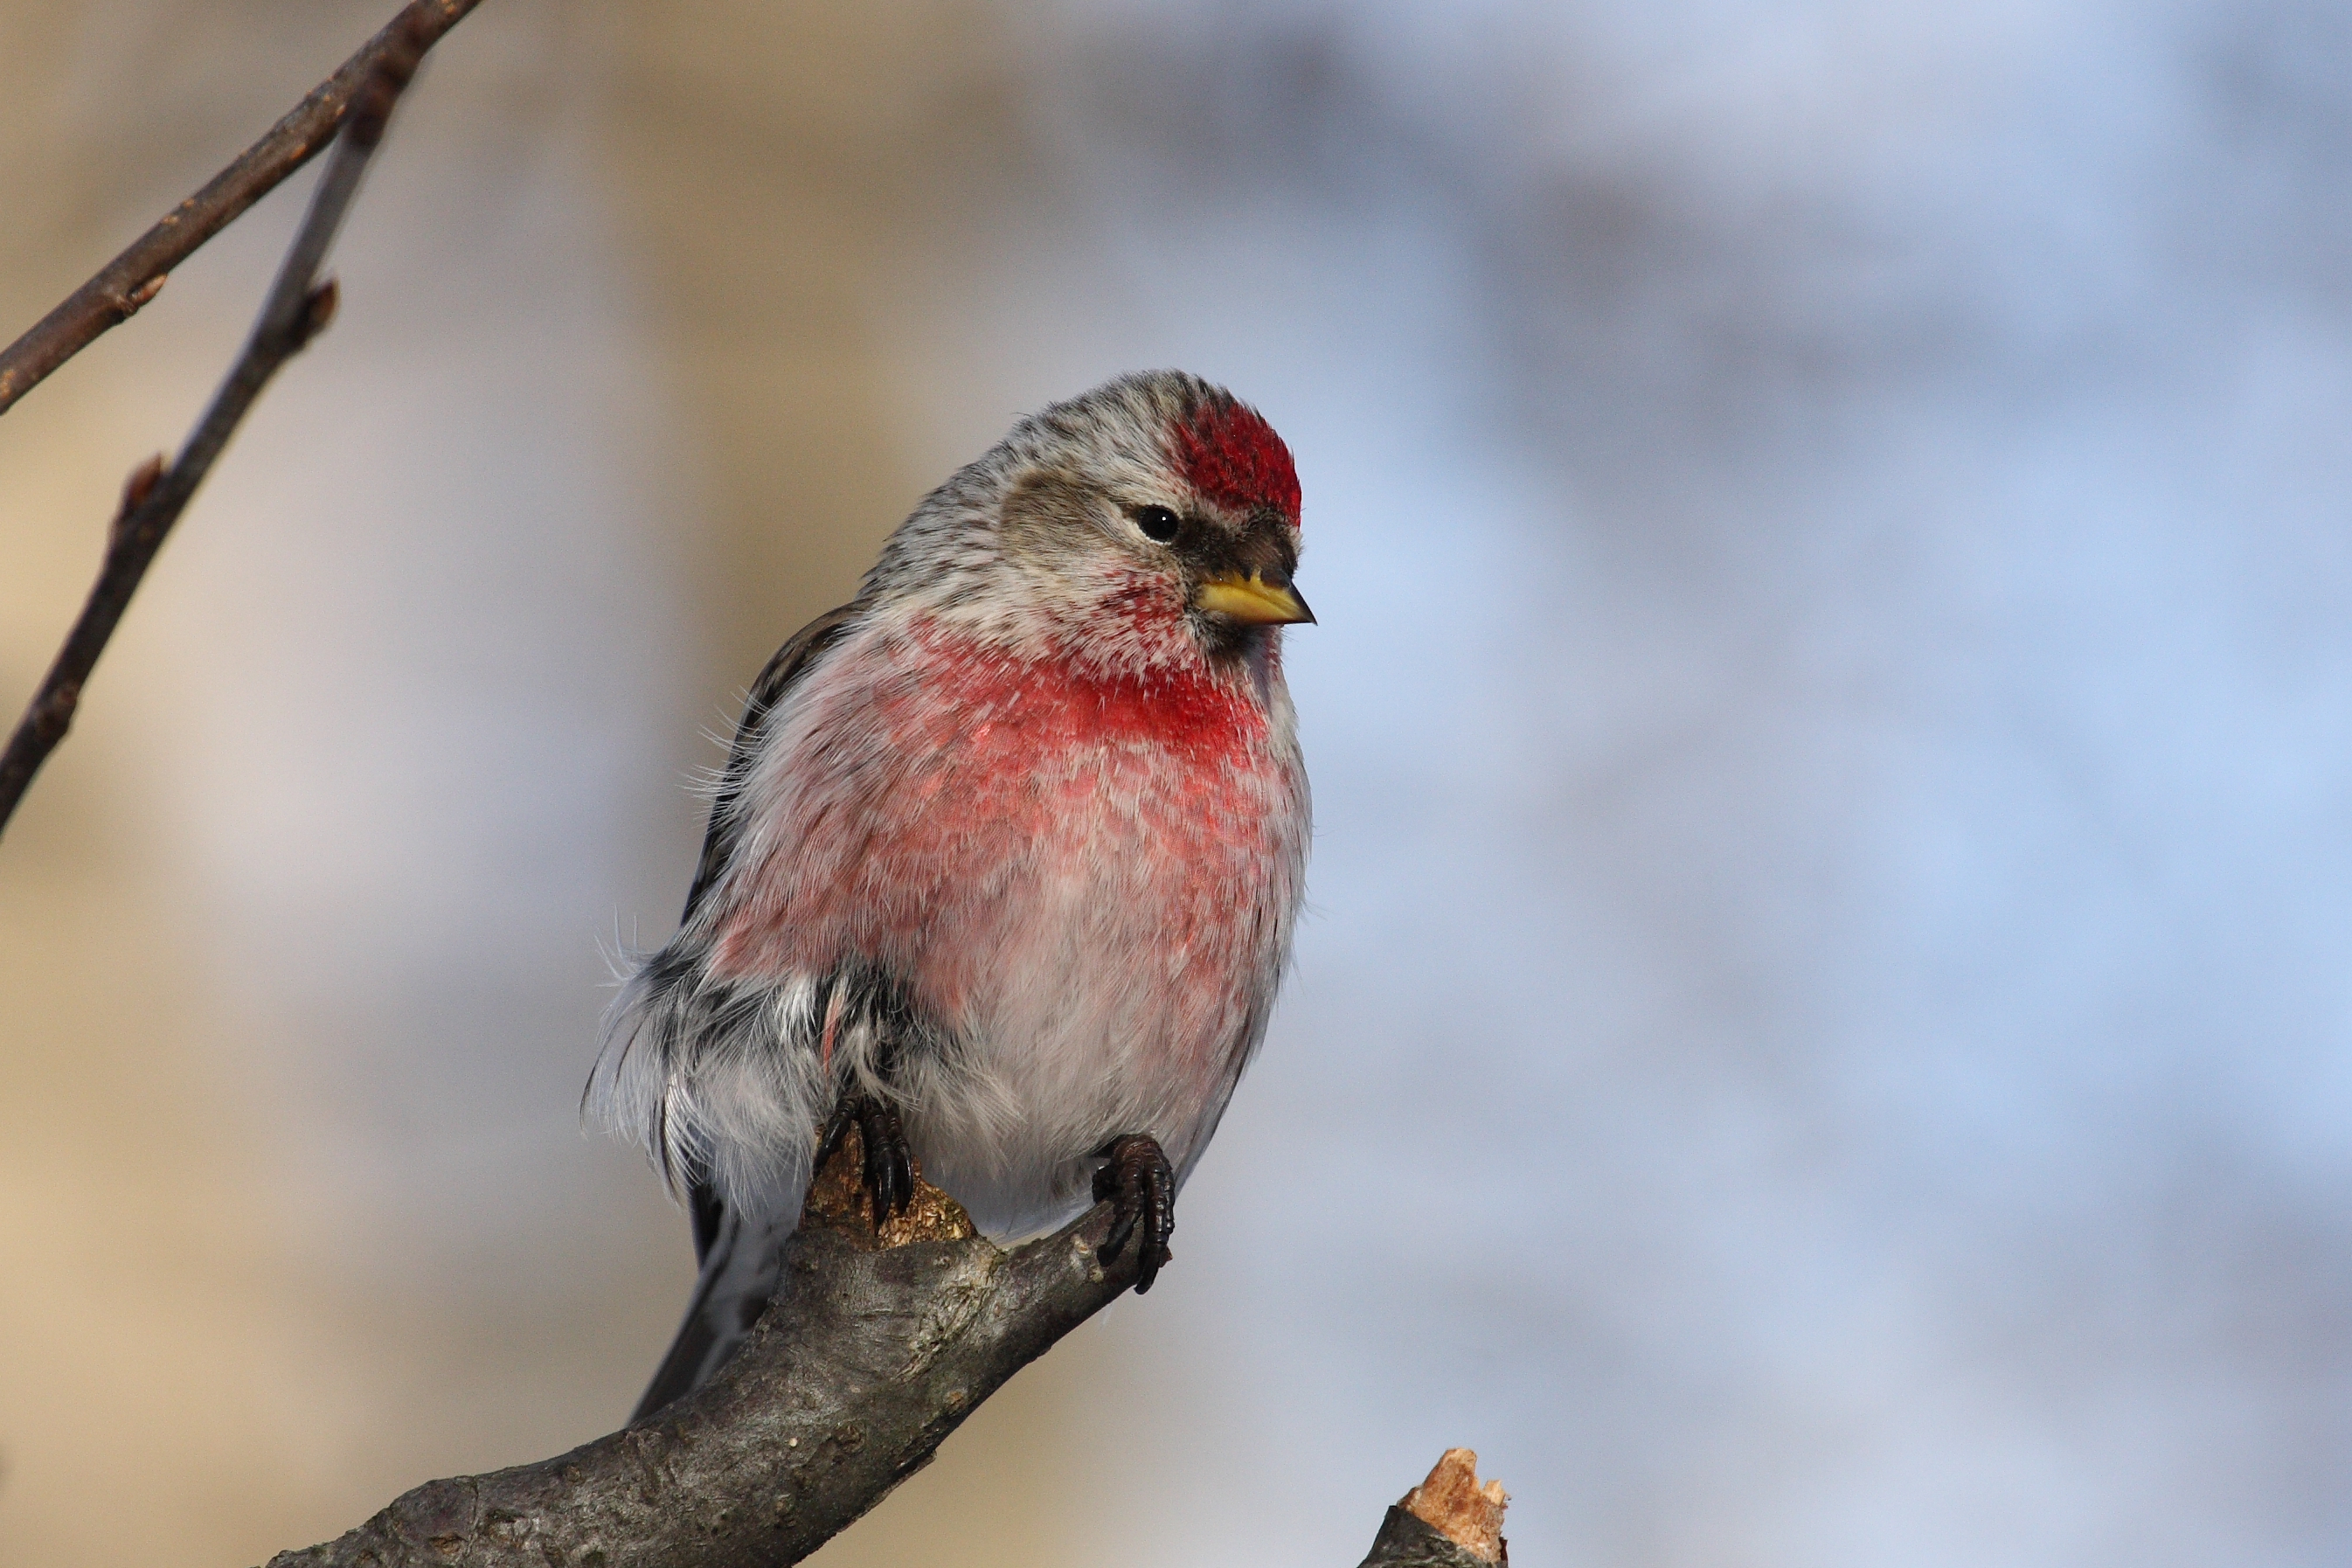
[(296, 310), (862, 1366), (131, 279), (873, 1348)]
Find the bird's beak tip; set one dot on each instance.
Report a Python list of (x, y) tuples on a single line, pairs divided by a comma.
[(1253, 601)]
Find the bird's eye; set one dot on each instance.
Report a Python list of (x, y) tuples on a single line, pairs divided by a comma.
[(1159, 524)]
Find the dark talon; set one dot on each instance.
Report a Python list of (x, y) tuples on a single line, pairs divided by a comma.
[(889, 1172), (836, 1127), (1136, 1177), (889, 1169)]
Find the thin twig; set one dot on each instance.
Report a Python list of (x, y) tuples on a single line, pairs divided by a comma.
[(131, 279), (297, 311)]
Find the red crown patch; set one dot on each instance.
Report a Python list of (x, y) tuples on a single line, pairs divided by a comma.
[(1229, 454)]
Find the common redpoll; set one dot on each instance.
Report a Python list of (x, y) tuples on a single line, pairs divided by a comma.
[(1005, 861)]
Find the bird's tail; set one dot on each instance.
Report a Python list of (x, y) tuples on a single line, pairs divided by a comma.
[(742, 1259)]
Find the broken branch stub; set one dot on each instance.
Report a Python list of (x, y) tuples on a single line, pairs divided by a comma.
[(1449, 1520)]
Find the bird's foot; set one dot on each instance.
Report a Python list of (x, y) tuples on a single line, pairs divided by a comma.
[(889, 1163), (1136, 1180)]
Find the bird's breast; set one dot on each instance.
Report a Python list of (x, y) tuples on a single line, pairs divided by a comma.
[(1029, 843)]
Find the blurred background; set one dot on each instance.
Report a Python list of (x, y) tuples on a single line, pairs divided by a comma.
[(1823, 1036)]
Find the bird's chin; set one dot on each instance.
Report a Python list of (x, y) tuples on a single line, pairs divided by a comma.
[(1226, 638)]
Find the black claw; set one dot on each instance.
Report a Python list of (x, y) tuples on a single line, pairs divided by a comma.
[(1136, 1177), (889, 1165), (836, 1128)]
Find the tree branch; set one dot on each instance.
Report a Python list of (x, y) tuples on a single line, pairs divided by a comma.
[(296, 310), (873, 1350), (131, 279), (866, 1360)]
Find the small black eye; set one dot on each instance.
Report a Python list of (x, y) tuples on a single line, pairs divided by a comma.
[(1158, 523)]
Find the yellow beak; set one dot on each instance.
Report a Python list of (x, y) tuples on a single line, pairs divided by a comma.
[(1252, 599)]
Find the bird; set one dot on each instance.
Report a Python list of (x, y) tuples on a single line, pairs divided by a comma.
[(1004, 863)]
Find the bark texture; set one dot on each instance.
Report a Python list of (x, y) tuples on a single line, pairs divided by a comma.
[(1406, 1542), (865, 1362)]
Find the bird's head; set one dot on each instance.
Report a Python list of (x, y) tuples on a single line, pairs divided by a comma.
[(1153, 517)]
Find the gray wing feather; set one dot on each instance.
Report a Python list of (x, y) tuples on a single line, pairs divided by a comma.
[(791, 662), (739, 1259)]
